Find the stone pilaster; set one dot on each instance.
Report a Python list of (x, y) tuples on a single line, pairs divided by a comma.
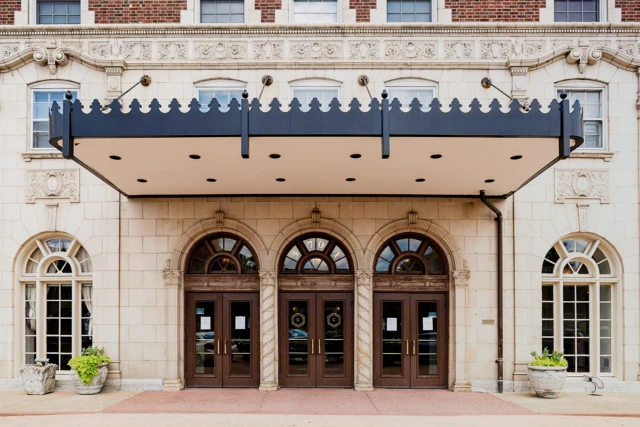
[(364, 331), (268, 331), (173, 283), (460, 281)]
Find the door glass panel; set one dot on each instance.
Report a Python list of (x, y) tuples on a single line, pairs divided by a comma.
[(298, 341), (427, 338), (240, 339), (392, 338), (333, 338), (205, 339)]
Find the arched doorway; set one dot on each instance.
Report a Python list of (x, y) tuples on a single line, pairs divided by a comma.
[(410, 313), (316, 313), (222, 314)]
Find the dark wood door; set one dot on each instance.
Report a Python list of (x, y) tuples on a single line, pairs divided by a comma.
[(222, 343), (410, 340), (316, 339)]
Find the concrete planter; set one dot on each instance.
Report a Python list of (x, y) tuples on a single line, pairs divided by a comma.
[(96, 383), (547, 381), (39, 378)]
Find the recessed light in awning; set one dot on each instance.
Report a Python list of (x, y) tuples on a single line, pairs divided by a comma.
[(115, 157), (274, 156), (280, 179), (518, 157), (194, 156), (356, 156), (420, 180), (211, 180), (350, 179), (436, 156), (142, 180), (489, 181)]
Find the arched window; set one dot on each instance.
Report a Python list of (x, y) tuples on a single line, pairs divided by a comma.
[(222, 91), (406, 90), (57, 287), (316, 254), (410, 254), (578, 304), (222, 254)]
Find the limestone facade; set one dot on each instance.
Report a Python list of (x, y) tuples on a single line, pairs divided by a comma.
[(138, 247)]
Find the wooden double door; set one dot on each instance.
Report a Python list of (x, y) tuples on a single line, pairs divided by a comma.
[(316, 339), (410, 340), (222, 340)]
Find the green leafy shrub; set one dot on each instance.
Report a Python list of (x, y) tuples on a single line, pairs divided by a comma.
[(86, 365), (554, 359)]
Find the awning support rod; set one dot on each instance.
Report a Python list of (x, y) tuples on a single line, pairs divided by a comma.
[(500, 359), (144, 80), (487, 83)]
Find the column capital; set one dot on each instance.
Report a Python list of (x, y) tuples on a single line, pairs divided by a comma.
[(364, 278), (461, 277), (268, 277), (172, 277)]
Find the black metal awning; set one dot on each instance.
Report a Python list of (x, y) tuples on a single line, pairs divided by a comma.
[(152, 153)]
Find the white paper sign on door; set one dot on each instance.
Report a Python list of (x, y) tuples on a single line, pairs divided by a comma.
[(240, 322), (205, 323), (392, 324), (427, 323)]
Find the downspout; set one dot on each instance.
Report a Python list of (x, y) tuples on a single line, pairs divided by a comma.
[(500, 360)]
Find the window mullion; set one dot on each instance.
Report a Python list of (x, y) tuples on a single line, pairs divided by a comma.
[(75, 318), (559, 341), (595, 328), (41, 315)]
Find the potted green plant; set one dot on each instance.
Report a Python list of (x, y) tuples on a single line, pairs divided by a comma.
[(547, 373), (89, 370)]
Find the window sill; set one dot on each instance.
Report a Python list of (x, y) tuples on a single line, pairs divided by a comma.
[(31, 155), (604, 155)]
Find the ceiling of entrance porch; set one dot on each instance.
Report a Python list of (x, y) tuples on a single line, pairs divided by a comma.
[(316, 165)]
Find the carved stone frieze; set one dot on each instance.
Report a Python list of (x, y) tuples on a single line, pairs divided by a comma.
[(458, 49), (8, 49), (220, 50), (585, 54), (533, 48), (53, 184), (172, 51), (410, 50), (363, 50), (267, 50), (100, 49), (77, 45), (137, 51), (581, 184), (316, 50), (495, 50), (628, 47)]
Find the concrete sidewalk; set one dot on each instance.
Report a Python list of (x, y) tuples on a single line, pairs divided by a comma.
[(578, 403)]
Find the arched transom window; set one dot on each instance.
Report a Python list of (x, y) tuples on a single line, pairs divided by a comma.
[(578, 305), (223, 254), (56, 285), (316, 254), (410, 254)]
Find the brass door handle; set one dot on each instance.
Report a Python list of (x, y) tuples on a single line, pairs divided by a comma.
[(413, 346), (218, 346), (407, 349), (225, 346), (319, 346), (312, 341)]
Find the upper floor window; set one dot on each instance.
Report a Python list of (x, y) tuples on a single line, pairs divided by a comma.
[(405, 91), (576, 10), (315, 253), (42, 98), (222, 90), (322, 90), (592, 103), (410, 254), (409, 11), (58, 12), (315, 11), (221, 11)]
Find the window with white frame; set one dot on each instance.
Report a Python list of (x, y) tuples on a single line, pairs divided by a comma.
[(592, 102), (57, 12), (409, 11), (578, 314), (576, 10), (223, 91), (322, 90), (315, 11), (42, 97), (405, 91), (57, 295), (221, 11)]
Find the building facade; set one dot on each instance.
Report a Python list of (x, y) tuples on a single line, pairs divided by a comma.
[(324, 285)]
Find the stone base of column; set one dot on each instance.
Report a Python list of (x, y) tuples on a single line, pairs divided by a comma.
[(268, 387), (172, 384), (363, 387), (462, 386)]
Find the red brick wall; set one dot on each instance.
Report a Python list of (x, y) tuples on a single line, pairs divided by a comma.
[(362, 8), (630, 10), (134, 11), (7, 7), (496, 10), (268, 8)]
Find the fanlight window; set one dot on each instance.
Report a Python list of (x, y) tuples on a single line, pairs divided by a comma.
[(68, 256), (223, 254), (410, 254), (575, 252), (316, 254)]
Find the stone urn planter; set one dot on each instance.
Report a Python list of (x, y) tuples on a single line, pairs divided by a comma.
[(96, 383), (547, 373), (39, 378)]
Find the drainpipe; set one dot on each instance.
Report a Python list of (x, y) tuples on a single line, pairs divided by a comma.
[(500, 360)]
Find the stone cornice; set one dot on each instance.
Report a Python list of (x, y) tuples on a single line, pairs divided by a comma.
[(173, 30)]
